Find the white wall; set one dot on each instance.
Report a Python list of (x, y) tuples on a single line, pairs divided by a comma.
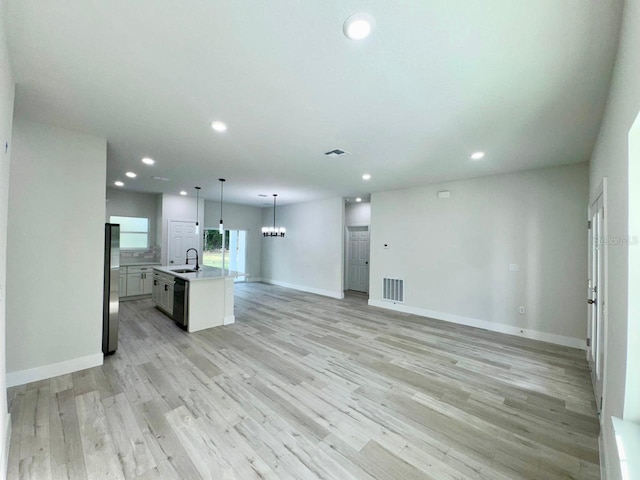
[(357, 214), (6, 122), (54, 252), (240, 217), (454, 254), (178, 207), (134, 204), (610, 159), (310, 256)]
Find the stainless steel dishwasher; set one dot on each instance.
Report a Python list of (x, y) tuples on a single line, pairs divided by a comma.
[(181, 302)]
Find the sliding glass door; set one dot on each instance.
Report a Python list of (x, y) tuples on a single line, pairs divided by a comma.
[(228, 250)]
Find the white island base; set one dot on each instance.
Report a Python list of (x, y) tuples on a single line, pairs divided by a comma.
[(211, 304), (209, 295)]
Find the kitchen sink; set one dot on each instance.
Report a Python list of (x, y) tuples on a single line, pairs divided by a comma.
[(184, 270)]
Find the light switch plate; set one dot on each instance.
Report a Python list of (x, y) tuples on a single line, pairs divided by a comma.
[(514, 267)]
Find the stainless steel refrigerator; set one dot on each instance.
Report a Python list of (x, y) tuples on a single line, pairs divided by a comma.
[(111, 298)]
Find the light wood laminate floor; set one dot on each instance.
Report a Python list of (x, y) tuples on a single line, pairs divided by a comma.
[(306, 387)]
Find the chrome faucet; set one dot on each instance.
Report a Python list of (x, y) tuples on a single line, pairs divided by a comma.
[(197, 258)]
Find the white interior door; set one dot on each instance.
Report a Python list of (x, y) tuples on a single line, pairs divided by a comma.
[(358, 259), (182, 236), (596, 324), (237, 252)]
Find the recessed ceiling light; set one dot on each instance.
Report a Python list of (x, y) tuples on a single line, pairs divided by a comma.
[(262, 195), (219, 126), (148, 161), (366, 176), (358, 199), (358, 26), (118, 183), (131, 175), (183, 192), (477, 155)]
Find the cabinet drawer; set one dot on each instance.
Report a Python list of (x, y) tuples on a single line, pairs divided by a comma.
[(140, 269)]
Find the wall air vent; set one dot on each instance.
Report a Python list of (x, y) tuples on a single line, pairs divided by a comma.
[(335, 153), (393, 290)]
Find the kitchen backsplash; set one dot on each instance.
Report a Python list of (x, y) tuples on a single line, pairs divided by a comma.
[(151, 255)]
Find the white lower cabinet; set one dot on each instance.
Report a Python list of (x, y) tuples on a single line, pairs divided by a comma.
[(123, 281), (162, 292), (136, 280)]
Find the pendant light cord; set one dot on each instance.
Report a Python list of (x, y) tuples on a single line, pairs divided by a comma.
[(274, 211)]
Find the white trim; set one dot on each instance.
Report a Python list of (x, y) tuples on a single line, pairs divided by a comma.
[(303, 288), (484, 324), (229, 320), (47, 371), (7, 444)]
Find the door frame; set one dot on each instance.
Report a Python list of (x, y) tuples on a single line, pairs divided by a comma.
[(347, 251), (600, 191)]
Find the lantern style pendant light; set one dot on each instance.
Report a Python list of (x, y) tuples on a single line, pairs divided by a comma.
[(197, 209), (274, 231), (221, 228)]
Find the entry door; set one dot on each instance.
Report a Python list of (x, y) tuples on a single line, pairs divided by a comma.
[(358, 264), (182, 236), (596, 324)]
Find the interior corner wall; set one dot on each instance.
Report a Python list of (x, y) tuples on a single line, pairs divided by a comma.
[(454, 254), (134, 204), (358, 214), (6, 123), (55, 252), (240, 217), (610, 159), (310, 256)]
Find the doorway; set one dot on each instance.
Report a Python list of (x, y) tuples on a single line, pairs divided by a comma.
[(226, 250), (596, 329), (358, 259)]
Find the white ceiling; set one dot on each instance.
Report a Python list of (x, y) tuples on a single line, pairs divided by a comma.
[(524, 80)]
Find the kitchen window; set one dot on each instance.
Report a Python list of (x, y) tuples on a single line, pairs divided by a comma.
[(134, 232)]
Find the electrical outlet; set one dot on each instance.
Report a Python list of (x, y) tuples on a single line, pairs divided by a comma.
[(522, 310), (514, 267)]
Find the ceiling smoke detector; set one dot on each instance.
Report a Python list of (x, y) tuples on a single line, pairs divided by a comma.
[(336, 153)]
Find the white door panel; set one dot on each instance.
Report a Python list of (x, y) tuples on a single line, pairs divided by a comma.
[(358, 259), (182, 236)]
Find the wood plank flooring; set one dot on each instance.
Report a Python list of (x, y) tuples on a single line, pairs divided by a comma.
[(306, 387)]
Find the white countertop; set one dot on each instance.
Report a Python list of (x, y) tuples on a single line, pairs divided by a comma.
[(137, 263), (205, 273)]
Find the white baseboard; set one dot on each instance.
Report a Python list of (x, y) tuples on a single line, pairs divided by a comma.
[(7, 444), (229, 320), (47, 371), (484, 324), (304, 288)]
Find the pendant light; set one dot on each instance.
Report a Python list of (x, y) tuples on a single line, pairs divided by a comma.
[(274, 231), (197, 209), (221, 228)]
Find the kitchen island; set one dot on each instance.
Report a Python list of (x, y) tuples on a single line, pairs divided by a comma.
[(196, 300)]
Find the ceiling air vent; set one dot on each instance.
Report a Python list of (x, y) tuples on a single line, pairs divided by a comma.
[(335, 153)]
